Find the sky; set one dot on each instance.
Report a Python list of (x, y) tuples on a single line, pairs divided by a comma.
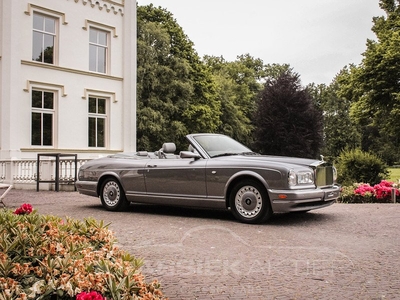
[(316, 37)]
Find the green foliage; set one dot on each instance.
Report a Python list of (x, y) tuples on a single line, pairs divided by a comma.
[(340, 132), (287, 121), (45, 257), (358, 166), (175, 91), (374, 87), (347, 195), (237, 85)]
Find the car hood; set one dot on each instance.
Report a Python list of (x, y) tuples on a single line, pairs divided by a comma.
[(276, 159)]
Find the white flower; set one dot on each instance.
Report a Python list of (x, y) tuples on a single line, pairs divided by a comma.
[(36, 289), (52, 284), (68, 287)]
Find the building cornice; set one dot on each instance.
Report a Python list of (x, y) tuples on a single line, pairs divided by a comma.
[(69, 70), (107, 5), (120, 3)]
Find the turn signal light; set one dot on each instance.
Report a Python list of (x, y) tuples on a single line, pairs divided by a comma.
[(282, 196)]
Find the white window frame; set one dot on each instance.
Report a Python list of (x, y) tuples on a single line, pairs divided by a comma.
[(42, 111), (96, 115), (111, 33), (98, 46), (56, 17)]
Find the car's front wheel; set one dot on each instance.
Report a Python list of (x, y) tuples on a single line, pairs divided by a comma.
[(249, 202), (112, 195)]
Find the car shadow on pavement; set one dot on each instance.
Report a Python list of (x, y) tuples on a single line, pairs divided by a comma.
[(315, 216), (187, 212), (220, 214)]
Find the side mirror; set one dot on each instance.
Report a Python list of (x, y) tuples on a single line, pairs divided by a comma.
[(189, 154)]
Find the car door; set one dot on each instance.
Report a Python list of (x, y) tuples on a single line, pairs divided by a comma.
[(175, 178)]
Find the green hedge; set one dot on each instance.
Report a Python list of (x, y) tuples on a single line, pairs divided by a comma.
[(358, 166)]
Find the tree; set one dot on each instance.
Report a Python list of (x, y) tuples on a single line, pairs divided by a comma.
[(175, 91), (375, 86), (287, 121), (237, 84), (340, 131)]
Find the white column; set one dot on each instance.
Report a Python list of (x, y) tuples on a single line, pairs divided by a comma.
[(10, 70), (129, 83)]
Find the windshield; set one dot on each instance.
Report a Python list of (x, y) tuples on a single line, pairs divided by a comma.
[(220, 145)]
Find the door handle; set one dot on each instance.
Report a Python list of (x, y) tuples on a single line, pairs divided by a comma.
[(151, 166)]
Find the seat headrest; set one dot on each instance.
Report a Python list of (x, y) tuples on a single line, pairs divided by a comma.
[(168, 148)]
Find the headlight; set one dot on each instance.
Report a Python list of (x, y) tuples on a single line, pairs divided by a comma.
[(303, 177), (292, 178)]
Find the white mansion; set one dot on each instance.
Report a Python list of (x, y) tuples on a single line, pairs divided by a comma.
[(67, 85)]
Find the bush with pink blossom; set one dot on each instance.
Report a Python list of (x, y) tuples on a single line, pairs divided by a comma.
[(365, 193)]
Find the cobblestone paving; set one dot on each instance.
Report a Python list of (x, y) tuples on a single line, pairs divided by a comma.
[(345, 251)]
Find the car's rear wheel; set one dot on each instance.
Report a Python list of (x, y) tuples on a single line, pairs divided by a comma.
[(249, 202), (112, 195)]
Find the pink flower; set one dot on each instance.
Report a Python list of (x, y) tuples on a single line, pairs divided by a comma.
[(386, 183), (363, 189), (24, 209), (381, 191), (93, 295)]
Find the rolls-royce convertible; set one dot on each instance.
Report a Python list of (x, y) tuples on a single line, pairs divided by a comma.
[(214, 172)]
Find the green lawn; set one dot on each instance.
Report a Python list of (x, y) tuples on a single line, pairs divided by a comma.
[(394, 174)]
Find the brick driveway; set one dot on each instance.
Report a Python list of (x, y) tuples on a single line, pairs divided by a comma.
[(345, 251)]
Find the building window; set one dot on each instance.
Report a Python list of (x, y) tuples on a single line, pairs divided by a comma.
[(42, 118), (98, 50), (44, 37), (97, 122)]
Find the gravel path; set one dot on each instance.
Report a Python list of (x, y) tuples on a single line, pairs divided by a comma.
[(345, 251)]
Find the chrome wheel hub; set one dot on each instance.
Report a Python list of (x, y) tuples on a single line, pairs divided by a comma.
[(248, 201), (111, 193)]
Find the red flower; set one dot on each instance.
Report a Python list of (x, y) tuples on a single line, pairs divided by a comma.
[(93, 295), (386, 183), (24, 209), (364, 188), (381, 191)]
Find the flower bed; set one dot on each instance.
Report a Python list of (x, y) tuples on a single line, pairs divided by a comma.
[(365, 193), (46, 257)]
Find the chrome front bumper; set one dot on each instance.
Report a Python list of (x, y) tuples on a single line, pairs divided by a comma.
[(302, 200)]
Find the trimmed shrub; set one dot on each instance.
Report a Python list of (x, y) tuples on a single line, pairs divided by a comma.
[(46, 257), (359, 166)]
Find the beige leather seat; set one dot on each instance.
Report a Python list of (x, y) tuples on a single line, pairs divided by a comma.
[(167, 151)]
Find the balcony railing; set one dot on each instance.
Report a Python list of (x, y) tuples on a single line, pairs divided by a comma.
[(22, 173)]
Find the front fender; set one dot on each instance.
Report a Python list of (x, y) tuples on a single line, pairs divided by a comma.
[(243, 174), (264, 179), (104, 176)]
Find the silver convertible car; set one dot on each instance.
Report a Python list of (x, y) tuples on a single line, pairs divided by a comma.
[(215, 172)]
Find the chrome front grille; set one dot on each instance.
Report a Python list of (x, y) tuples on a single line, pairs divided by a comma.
[(324, 176)]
